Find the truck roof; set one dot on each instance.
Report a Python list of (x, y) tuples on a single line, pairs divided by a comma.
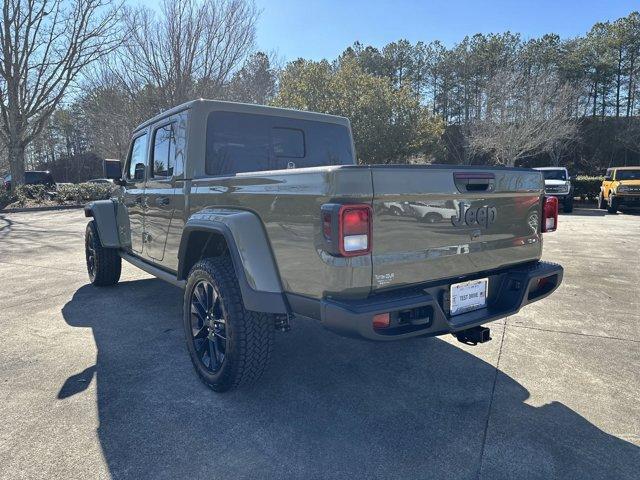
[(549, 168), (210, 105), (625, 168)]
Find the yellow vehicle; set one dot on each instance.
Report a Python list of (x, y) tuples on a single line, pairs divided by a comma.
[(620, 188)]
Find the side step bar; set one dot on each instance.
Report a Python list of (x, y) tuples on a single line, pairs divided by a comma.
[(153, 270)]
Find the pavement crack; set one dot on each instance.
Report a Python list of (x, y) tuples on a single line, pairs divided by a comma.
[(576, 333), (493, 389)]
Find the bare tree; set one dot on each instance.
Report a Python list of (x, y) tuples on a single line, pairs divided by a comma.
[(190, 50), (524, 115), (45, 45)]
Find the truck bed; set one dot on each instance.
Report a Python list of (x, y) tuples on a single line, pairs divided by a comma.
[(416, 238)]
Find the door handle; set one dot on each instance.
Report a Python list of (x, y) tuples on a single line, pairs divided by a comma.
[(163, 201)]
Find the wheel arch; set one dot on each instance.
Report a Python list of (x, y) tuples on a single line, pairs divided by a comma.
[(239, 234), (104, 214)]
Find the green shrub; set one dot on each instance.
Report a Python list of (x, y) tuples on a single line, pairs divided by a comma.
[(6, 197), (33, 193), (79, 193), (76, 194), (586, 187)]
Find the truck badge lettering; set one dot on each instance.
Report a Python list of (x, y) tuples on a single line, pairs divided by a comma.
[(483, 216)]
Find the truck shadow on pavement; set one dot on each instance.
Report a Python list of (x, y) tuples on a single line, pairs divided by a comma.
[(328, 407)]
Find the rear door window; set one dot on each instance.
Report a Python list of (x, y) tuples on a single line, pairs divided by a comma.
[(241, 142), (164, 151)]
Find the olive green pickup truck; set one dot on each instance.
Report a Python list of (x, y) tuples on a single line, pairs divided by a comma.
[(261, 215)]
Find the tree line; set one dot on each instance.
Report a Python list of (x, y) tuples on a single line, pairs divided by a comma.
[(76, 76)]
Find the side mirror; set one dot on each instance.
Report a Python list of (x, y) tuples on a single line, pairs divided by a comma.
[(112, 169), (139, 172)]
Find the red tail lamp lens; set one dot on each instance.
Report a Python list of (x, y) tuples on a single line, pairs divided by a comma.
[(355, 230), (549, 214), (355, 222)]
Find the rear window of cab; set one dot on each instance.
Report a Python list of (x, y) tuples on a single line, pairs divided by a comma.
[(242, 142)]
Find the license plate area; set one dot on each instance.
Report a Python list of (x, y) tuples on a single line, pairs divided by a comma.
[(468, 296)]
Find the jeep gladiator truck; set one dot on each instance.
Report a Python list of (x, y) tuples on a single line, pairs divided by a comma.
[(557, 183), (620, 188), (261, 215)]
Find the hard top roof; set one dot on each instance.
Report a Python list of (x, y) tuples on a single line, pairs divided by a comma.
[(211, 105)]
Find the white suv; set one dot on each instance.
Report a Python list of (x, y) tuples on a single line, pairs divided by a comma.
[(557, 184)]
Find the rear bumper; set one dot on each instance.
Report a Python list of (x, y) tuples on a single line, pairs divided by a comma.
[(424, 310)]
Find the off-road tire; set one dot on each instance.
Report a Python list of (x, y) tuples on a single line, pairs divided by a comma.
[(249, 334), (612, 205), (107, 264)]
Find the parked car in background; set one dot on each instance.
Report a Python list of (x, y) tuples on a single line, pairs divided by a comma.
[(557, 183), (620, 188), (35, 177)]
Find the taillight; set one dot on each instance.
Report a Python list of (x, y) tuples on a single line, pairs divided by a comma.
[(346, 229), (549, 214)]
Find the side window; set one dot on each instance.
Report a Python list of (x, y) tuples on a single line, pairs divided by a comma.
[(237, 142), (287, 142), (164, 151), (241, 142), (608, 175), (137, 158)]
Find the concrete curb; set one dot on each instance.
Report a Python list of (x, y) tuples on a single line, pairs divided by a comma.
[(41, 209)]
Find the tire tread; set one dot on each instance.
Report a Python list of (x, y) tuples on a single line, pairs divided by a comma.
[(108, 262), (254, 331)]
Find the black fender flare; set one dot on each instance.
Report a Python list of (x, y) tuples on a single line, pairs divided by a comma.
[(250, 253), (104, 214)]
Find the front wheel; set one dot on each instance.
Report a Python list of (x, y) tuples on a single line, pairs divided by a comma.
[(104, 265), (613, 205), (228, 345)]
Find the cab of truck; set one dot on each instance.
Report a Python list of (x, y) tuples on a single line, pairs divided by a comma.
[(620, 189)]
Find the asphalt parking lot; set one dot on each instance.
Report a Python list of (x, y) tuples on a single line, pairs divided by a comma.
[(96, 383)]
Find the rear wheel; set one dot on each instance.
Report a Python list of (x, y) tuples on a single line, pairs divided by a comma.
[(104, 265), (228, 345)]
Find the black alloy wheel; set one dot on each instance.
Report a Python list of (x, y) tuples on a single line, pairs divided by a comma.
[(208, 326)]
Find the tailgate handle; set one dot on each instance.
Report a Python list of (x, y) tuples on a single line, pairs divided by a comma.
[(474, 181)]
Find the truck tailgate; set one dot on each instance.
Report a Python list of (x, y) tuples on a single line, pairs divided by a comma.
[(435, 222)]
